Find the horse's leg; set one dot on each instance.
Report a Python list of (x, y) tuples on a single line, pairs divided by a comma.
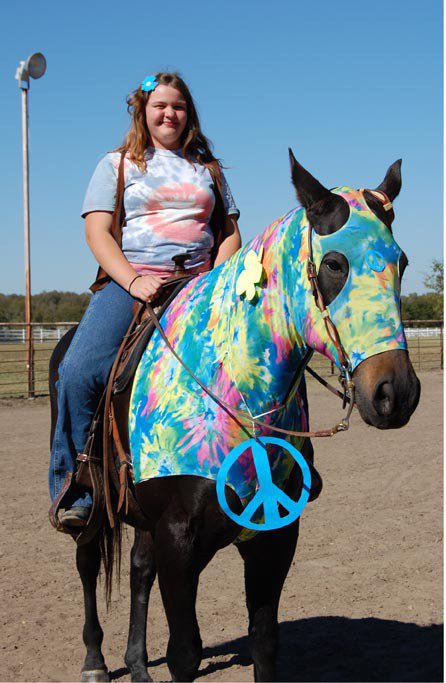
[(188, 529), (178, 574), (267, 558), (88, 561), (142, 576)]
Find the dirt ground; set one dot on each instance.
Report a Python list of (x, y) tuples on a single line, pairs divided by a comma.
[(363, 600)]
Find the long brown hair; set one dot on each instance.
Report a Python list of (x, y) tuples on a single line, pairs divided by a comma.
[(194, 144)]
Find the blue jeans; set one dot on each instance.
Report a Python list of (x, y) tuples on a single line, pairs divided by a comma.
[(83, 375)]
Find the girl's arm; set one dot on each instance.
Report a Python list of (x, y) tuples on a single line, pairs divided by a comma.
[(231, 240), (109, 255)]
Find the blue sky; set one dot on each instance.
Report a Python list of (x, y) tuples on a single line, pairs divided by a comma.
[(350, 86)]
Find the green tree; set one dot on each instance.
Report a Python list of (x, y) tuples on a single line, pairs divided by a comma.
[(422, 306), (434, 279), (47, 307)]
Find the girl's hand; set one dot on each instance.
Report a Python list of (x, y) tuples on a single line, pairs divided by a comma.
[(146, 287)]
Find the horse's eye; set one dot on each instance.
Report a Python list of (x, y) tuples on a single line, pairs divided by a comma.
[(333, 265), (332, 275)]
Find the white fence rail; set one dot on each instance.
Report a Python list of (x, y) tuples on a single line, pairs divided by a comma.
[(425, 332), (40, 334)]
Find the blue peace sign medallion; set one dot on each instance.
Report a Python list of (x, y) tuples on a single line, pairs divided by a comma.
[(375, 260), (268, 494)]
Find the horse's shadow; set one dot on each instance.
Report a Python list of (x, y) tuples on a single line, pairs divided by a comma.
[(341, 649)]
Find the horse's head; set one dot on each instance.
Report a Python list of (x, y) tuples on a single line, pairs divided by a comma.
[(359, 267)]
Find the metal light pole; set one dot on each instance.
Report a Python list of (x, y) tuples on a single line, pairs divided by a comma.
[(35, 66)]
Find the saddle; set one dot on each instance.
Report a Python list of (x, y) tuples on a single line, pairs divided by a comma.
[(105, 467)]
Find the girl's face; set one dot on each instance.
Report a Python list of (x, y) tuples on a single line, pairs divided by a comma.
[(166, 117)]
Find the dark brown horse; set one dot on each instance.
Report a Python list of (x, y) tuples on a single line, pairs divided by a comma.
[(186, 526)]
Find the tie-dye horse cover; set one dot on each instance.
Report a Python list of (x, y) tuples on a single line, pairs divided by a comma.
[(250, 352)]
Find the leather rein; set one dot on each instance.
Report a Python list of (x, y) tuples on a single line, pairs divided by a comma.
[(345, 378), (241, 416)]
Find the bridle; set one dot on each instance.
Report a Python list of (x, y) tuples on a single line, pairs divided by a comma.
[(345, 378)]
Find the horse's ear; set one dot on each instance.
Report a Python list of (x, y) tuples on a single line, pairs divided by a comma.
[(308, 189), (391, 184)]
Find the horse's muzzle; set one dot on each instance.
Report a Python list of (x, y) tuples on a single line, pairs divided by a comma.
[(387, 389)]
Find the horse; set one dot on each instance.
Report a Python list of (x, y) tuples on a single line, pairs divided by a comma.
[(324, 277)]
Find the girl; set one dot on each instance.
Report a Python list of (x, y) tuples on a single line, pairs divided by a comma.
[(173, 187)]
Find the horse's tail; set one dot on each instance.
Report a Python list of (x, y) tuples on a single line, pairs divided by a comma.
[(110, 545)]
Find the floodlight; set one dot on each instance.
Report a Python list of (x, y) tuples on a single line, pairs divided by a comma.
[(36, 65)]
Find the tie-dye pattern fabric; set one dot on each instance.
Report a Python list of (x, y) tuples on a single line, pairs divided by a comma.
[(248, 352), (167, 207)]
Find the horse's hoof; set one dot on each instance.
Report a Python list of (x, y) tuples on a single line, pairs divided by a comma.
[(95, 676), (141, 676)]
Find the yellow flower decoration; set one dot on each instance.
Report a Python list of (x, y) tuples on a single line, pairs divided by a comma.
[(251, 275)]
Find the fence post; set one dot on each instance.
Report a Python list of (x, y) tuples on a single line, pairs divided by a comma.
[(30, 359), (419, 349)]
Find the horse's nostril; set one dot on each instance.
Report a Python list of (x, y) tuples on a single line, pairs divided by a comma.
[(384, 399)]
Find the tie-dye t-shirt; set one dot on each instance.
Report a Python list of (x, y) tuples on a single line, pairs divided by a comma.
[(168, 208)]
